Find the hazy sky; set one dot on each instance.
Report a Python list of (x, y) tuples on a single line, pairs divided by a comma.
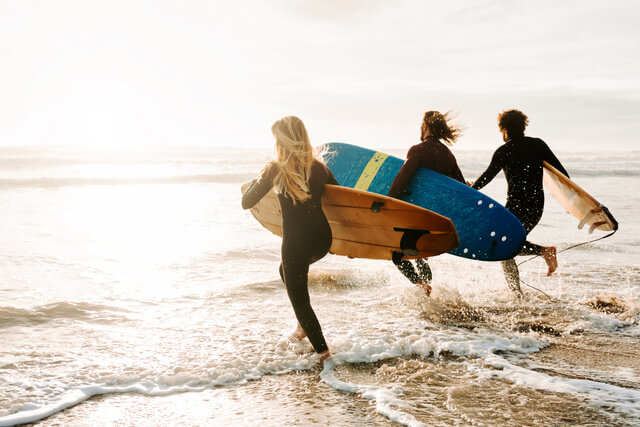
[(194, 72)]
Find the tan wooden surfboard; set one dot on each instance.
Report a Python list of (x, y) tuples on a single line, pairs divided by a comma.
[(368, 225), (576, 201)]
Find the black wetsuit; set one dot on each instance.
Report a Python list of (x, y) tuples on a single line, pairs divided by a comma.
[(431, 154), (521, 160), (306, 238)]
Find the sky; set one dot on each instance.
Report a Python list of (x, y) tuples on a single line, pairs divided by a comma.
[(219, 73)]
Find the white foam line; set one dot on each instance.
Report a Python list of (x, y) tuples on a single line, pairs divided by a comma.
[(599, 394), (78, 395), (384, 398), (422, 343), (234, 373)]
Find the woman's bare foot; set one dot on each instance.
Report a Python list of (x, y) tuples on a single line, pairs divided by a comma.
[(298, 335), (425, 286), (549, 255), (324, 356)]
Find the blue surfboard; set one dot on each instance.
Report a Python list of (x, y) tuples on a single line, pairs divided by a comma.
[(487, 230)]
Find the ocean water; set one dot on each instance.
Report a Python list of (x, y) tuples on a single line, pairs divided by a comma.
[(134, 290)]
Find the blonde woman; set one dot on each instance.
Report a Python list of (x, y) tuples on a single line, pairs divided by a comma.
[(298, 178), (432, 154)]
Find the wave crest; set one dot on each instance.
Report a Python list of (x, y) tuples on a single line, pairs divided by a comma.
[(12, 316)]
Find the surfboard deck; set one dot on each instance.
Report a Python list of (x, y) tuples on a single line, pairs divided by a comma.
[(486, 229), (362, 232), (577, 201)]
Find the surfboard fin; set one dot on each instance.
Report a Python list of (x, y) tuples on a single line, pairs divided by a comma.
[(375, 206), (586, 218), (596, 225)]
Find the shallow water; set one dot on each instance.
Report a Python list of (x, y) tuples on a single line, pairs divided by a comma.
[(134, 290)]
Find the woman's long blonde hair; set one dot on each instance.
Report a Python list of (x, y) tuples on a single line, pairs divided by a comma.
[(295, 156)]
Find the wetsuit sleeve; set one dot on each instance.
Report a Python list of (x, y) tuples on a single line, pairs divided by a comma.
[(492, 170), (552, 159), (456, 173), (401, 181), (259, 187)]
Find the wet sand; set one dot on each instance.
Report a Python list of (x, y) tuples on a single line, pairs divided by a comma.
[(435, 392)]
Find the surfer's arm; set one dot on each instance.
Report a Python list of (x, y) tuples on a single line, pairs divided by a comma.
[(259, 188), (492, 170), (401, 181), (456, 173), (553, 160)]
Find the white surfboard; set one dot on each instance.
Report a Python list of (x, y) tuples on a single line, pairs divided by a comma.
[(577, 202)]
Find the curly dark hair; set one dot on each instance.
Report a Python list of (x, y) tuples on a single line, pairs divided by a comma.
[(513, 122), (438, 125)]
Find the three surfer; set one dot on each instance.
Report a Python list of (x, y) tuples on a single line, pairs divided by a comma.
[(298, 178), (520, 158), (431, 153)]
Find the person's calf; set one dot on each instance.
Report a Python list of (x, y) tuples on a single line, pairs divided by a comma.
[(549, 255), (425, 286)]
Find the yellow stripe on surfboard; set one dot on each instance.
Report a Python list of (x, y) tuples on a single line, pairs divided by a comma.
[(370, 171)]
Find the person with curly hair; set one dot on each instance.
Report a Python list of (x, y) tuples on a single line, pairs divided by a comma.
[(431, 153), (520, 158)]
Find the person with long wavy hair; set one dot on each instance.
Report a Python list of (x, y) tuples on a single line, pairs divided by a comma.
[(520, 158), (432, 153), (298, 178)]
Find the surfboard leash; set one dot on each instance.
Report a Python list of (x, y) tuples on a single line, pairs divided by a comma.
[(539, 290), (614, 224), (565, 249), (574, 246), (590, 241)]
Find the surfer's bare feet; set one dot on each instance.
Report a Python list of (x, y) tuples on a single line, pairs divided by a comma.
[(549, 255), (324, 356), (425, 286), (298, 335)]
